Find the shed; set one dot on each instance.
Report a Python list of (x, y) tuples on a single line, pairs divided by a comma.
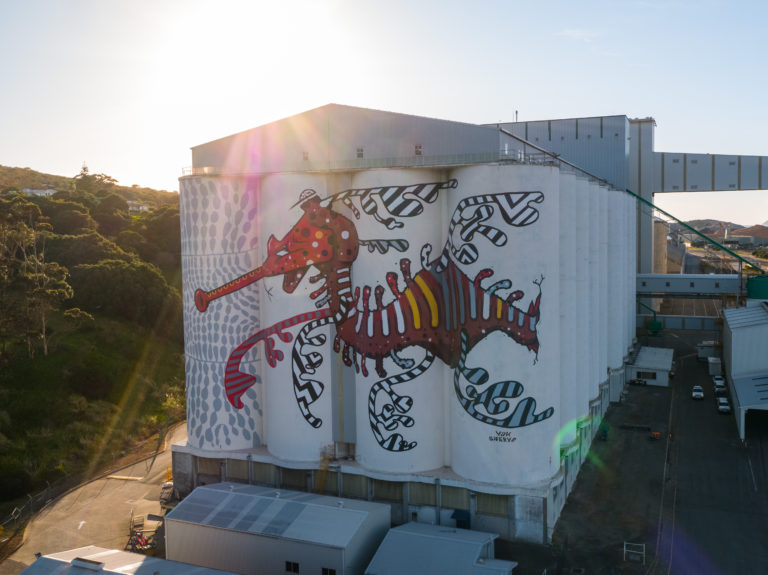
[(745, 333), (425, 549), (261, 530), (91, 559), (652, 365)]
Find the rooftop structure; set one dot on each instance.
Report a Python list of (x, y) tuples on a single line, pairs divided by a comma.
[(91, 560), (432, 549)]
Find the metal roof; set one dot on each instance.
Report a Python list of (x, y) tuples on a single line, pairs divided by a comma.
[(751, 315), (295, 515), (752, 391), (658, 358), (423, 548), (90, 560)]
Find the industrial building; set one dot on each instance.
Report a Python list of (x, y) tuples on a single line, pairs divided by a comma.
[(745, 335), (651, 366), (435, 550), (257, 530), (91, 559), (425, 313)]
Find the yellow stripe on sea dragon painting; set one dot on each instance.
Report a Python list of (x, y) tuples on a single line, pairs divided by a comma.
[(414, 308), (430, 299), (498, 309)]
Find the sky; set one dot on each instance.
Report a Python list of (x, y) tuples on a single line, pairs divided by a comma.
[(127, 87)]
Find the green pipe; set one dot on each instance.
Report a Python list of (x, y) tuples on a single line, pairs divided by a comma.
[(650, 309), (698, 233)]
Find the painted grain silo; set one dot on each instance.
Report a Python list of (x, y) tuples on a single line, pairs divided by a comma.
[(220, 241), (397, 420), (423, 319)]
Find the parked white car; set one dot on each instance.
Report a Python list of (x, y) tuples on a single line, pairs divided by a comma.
[(723, 406), (719, 385)]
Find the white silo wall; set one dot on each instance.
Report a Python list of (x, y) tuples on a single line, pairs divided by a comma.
[(632, 229), (569, 339), (616, 239), (581, 240), (220, 241), (603, 283), (508, 433), (594, 290), (415, 440), (626, 264), (296, 428)]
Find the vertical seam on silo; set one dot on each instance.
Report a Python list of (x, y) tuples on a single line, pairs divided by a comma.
[(685, 172), (738, 178), (713, 173)]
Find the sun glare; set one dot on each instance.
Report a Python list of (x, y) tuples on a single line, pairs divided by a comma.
[(241, 65)]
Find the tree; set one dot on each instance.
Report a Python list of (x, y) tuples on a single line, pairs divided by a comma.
[(112, 215), (133, 290), (48, 289), (65, 216)]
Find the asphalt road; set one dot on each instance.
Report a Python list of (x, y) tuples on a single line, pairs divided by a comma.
[(715, 499), (96, 513)]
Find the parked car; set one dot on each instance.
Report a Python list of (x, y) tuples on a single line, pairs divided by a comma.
[(637, 381), (719, 385), (723, 406), (697, 392)]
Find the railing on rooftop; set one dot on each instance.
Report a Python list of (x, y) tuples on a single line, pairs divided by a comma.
[(512, 156)]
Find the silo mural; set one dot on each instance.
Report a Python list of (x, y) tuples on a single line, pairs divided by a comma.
[(441, 301), (220, 240)]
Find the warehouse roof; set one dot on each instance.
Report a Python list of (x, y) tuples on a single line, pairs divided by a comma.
[(657, 358), (748, 316), (300, 516), (424, 549), (91, 559)]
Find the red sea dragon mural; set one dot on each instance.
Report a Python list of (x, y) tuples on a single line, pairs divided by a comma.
[(438, 309)]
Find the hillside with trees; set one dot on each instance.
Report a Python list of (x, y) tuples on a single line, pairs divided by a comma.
[(91, 342)]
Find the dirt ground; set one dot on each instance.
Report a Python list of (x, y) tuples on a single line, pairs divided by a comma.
[(616, 497)]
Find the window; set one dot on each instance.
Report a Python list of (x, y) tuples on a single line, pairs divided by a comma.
[(305, 156), (291, 567), (329, 571), (417, 150), (359, 152), (646, 374)]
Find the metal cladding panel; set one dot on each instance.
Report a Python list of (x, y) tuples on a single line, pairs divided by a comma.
[(334, 135), (505, 421), (749, 332), (673, 172), (219, 236), (569, 392), (698, 171), (726, 171), (599, 145), (400, 423), (296, 367)]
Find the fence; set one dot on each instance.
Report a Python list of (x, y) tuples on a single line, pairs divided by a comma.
[(12, 526)]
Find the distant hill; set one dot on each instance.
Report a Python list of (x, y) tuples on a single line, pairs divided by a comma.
[(754, 231), (21, 178), (708, 227)]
